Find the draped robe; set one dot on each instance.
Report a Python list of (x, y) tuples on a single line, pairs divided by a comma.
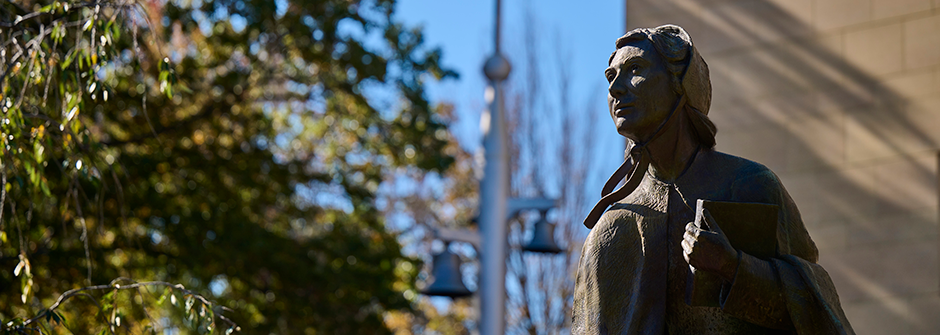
[(632, 275)]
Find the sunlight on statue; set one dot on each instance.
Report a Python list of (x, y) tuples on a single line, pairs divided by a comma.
[(695, 241)]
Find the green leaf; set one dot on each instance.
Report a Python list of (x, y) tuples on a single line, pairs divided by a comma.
[(116, 32), (44, 185), (69, 57), (163, 296), (33, 176), (61, 319)]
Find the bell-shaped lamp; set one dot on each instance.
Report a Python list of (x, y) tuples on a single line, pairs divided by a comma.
[(543, 238), (445, 277)]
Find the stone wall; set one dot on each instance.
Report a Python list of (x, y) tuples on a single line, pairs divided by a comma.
[(841, 98)]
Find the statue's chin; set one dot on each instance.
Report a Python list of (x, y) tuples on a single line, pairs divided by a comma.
[(625, 130)]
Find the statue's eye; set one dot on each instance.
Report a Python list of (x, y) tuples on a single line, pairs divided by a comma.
[(610, 75), (634, 69)]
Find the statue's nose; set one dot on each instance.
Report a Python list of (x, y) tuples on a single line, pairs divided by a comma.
[(617, 88)]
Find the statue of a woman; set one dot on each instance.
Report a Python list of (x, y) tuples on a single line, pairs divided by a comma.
[(635, 263)]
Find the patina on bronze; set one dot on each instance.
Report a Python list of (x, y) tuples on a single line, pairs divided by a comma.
[(636, 265)]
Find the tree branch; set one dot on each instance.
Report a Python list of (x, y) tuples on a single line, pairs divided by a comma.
[(116, 286)]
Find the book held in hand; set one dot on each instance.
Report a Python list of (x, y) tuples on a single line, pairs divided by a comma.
[(750, 227)]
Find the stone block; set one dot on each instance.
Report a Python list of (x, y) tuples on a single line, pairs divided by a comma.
[(906, 185), (875, 51), (684, 13), (846, 194), (817, 142), (887, 131), (804, 190), (736, 116), (765, 144), (922, 127), (731, 81), (885, 316), (864, 143), (831, 43), (764, 72), (913, 84), (850, 92), (793, 107), (829, 237), (644, 8), (877, 272), (923, 319), (750, 23), (922, 42), (833, 14), (900, 228), (926, 104), (800, 10), (890, 8)]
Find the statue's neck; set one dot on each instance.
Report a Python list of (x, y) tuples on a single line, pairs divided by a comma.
[(670, 152)]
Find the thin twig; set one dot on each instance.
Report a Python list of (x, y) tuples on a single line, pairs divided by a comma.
[(115, 286), (84, 237), (3, 192)]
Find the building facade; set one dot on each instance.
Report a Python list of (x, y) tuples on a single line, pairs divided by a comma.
[(841, 98)]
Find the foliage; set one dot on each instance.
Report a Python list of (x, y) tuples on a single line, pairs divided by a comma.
[(234, 146), (550, 156), (416, 202)]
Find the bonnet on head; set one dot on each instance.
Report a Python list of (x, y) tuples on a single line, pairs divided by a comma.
[(695, 100), (696, 84)]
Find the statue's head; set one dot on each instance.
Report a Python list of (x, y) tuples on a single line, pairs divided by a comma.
[(648, 73)]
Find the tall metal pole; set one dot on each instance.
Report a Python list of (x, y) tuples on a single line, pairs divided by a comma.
[(494, 196)]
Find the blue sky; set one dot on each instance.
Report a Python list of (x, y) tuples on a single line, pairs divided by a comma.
[(585, 30), (464, 31)]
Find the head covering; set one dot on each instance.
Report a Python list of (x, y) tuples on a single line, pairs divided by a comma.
[(696, 84), (695, 100)]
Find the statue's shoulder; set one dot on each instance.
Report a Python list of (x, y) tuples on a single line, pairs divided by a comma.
[(750, 180), (739, 166)]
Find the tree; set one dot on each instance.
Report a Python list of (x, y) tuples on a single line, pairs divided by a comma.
[(550, 150), (551, 157), (231, 146)]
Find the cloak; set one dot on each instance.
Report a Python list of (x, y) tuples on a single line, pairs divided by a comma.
[(632, 275)]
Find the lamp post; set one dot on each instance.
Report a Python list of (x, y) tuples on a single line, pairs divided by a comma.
[(494, 193), (495, 209)]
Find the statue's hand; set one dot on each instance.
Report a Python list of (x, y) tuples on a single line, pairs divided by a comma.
[(709, 250)]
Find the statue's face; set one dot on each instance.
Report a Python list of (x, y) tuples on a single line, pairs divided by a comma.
[(640, 95)]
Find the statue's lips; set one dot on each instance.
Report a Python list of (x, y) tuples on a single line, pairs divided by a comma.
[(622, 110)]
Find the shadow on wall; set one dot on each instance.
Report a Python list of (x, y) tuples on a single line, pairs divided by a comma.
[(857, 155)]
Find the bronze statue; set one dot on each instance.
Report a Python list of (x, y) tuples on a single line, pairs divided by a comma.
[(635, 274)]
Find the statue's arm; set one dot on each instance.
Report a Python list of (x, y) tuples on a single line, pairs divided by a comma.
[(757, 292)]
